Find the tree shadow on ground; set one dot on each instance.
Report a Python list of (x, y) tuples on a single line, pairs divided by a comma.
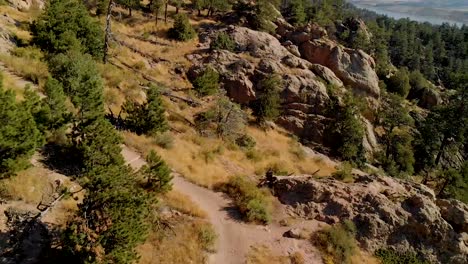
[(62, 159)]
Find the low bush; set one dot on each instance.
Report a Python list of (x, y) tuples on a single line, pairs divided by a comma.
[(253, 155), (223, 42), (338, 242), (164, 140), (207, 237), (390, 256), (245, 141), (295, 148), (344, 172), (207, 83), (254, 204)]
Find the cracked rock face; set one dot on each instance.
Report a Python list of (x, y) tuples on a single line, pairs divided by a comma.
[(387, 212)]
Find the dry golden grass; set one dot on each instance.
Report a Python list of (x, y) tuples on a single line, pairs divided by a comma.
[(261, 254), (29, 186), (186, 243), (363, 257), (183, 203), (30, 69), (205, 161), (10, 83), (210, 162)]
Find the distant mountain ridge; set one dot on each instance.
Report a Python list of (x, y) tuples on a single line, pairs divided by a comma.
[(434, 11)]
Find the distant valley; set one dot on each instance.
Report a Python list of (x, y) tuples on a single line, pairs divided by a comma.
[(433, 11)]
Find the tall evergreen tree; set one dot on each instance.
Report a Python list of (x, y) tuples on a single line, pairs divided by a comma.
[(347, 131), (55, 103), (66, 25), (81, 82), (19, 136), (267, 106)]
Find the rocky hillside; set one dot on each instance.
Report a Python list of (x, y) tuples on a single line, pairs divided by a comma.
[(308, 63)]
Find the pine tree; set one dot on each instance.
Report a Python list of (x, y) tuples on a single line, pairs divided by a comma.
[(156, 7), (19, 136), (111, 220), (81, 82), (157, 174), (266, 11), (207, 83), (399, 83), (100, 145), (347, 131), (147, 118), (129, 4), (66, 25), (182, 29), (267, 106), (57, 111), (297, 12)]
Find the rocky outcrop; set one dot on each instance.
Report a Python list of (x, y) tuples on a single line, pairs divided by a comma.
[(353, 67), (387, 212), (303, 94), (24, 5)]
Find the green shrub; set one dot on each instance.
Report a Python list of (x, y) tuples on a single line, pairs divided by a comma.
[(207, 83), (338, 242), (164, 140), (29, 52), (390, 256), (344, 172), (254, 204), (296, 149), (182, 29), (253, 155), (207, 237), (223, 42), (245, 141)]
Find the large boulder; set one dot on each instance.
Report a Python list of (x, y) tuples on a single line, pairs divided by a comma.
[(257, 43), (354, 67), (24, 5), (388, 212)]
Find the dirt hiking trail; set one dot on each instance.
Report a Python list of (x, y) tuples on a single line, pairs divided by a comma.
[(235, 238)]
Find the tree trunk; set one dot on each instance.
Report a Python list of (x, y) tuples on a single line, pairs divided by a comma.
[(108, 30), (165, 12), (441, 150), (177, 10), (199, 12), (441, 191), (129, 11)]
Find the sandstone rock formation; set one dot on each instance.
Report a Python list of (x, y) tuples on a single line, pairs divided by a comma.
[(387, 212), (304, 94), (258, 54), (354, 67)]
